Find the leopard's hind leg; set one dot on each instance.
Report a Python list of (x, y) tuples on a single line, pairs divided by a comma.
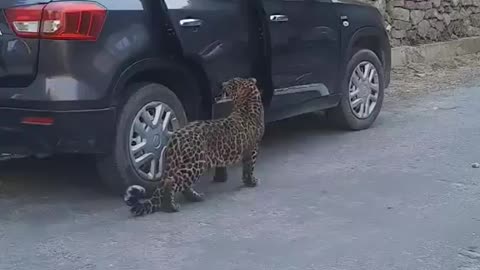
[(184, 182), (167, 196), (197, 170)]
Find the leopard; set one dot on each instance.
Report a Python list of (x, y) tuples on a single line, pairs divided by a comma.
[(202, 145)]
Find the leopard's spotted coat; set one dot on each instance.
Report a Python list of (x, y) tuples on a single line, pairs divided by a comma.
[(202, 145)]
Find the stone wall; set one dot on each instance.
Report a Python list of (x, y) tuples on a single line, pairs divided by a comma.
[(412, 22)]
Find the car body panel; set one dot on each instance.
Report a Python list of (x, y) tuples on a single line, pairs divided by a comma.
[(215, 34), (306, 52), (18, 56), (81, 74), (365, 21), (306, 46)]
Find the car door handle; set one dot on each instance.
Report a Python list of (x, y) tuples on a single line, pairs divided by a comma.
[(278, 18), (191, 22)]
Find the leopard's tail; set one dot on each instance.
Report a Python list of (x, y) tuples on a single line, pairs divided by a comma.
[(139, 205)]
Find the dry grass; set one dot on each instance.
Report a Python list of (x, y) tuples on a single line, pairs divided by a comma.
[(448, 74)]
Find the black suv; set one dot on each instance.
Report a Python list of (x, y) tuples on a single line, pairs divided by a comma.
[(115, 77)]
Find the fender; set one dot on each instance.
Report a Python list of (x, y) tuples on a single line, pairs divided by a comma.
[(385, 50), (367, 31), (149, 64)]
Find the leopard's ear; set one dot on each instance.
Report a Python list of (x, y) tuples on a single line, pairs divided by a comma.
[(224, 84), (253, 80)]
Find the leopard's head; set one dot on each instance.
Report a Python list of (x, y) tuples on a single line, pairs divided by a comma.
[(239, 88)]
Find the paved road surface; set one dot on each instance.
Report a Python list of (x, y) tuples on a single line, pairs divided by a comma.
[(401, 195)]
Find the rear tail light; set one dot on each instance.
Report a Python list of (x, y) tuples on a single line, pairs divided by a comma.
[(71, 20)]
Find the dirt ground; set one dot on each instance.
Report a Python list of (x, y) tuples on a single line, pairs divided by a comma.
[(445, 74)]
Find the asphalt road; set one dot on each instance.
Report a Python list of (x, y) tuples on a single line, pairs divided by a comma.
[(402, 195)]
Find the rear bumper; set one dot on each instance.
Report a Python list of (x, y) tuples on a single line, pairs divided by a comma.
[(83, 131)]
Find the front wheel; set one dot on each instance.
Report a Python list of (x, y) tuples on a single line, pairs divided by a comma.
[(362, 90), (146, 120)]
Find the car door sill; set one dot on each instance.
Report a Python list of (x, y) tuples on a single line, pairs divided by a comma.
[(319, 88), (278, 111)]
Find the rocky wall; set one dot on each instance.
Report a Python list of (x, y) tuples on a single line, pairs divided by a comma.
[(412, 22)]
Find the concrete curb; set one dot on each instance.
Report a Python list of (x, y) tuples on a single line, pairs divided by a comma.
[(405, 55)]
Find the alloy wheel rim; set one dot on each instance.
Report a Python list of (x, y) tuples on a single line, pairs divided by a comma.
[(150, 132), (363, 90)]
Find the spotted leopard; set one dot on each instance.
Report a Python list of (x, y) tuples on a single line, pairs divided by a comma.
[(202, 145)]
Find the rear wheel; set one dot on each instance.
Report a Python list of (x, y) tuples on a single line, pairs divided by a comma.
[(145, 123), (362, 91)]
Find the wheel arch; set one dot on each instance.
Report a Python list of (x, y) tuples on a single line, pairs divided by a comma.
[(366, 38), (186, 79), (375, 39)]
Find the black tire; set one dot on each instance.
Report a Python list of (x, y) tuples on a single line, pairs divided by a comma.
[(342, 116), (115, 168)]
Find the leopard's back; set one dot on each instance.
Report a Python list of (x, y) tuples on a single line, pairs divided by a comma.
[(219, 142)]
